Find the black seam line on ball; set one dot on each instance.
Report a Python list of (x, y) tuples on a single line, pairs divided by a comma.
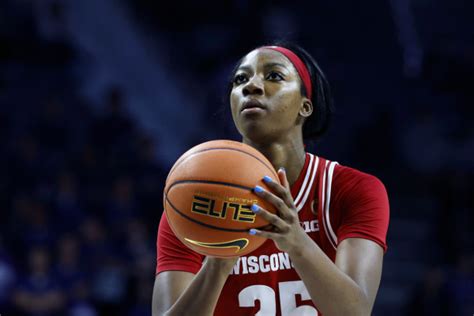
[(243, 187), (204, 224), (224, 148)]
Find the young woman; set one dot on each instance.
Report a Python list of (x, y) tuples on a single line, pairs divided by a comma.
[(324, 254)]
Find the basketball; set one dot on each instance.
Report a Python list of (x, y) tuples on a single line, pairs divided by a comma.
[(208, 195)]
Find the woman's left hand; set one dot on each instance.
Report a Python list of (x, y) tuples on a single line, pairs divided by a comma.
[(286, 231)]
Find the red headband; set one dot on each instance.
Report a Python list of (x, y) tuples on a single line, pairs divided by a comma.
[(299, 65)]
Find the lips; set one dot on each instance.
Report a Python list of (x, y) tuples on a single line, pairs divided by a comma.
[(252, 104)]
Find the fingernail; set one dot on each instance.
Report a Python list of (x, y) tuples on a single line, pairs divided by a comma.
[(258, 189), (254, 208), (282, 169), (267, 179), (252, 231)]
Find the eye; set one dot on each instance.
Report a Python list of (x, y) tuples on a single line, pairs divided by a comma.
[(274, 76), (240, 78)]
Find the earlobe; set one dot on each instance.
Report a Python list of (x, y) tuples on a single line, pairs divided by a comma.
[(306, 108)]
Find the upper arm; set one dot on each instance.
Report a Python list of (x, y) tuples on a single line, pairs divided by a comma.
[(176, 267), (362, 260), (169, 286), (363, 230)]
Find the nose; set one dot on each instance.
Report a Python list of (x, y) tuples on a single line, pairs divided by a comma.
[(253, 86)]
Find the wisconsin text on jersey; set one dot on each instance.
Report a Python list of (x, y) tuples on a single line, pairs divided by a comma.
[(262, 263), (272, 262)]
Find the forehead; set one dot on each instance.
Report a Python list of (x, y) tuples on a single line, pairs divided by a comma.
[(262, 56)]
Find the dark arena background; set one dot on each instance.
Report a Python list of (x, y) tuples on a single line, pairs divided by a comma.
[(99, 98)]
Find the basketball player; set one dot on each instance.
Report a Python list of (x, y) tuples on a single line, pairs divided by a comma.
[(324, 253)]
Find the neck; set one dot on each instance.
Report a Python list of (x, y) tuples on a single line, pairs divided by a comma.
[(288, 153)]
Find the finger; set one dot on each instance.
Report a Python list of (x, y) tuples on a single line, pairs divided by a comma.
[(271, 198), (273, 219), (264, 233), (283, 178), (283, 192)]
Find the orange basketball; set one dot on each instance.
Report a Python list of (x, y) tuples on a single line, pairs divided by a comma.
[(208, 195)]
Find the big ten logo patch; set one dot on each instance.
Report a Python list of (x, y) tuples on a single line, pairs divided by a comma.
[(312, 226), (221, 207)]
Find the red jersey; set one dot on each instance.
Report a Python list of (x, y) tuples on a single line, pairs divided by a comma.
[(333, 203)]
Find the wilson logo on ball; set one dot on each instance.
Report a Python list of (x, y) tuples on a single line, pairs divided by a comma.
[(207, 206)]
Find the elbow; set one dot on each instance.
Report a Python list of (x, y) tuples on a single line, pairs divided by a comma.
[(363, 307), (164, 313), (356, 304), (357, 310), (363, 311), (161, 313)]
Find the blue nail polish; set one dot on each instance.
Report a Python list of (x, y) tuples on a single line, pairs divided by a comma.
[(267, 179), (255, 208), (252, 231), (258, 189)]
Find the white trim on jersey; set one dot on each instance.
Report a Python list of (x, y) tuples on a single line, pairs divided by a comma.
[(314, 169), (331, 236), (323, 205), (305, 181)]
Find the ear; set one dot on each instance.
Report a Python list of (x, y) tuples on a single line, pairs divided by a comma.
[(306, 108)]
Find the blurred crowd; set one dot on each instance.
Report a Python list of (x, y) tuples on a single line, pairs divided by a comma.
[(83, 194), (81, 180)]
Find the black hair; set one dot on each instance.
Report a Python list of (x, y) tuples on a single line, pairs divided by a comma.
[(323, 106)]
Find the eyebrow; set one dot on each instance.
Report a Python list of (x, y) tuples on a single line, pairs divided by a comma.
[(268, 65)]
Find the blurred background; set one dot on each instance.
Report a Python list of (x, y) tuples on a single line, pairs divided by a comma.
[(99, 98)]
